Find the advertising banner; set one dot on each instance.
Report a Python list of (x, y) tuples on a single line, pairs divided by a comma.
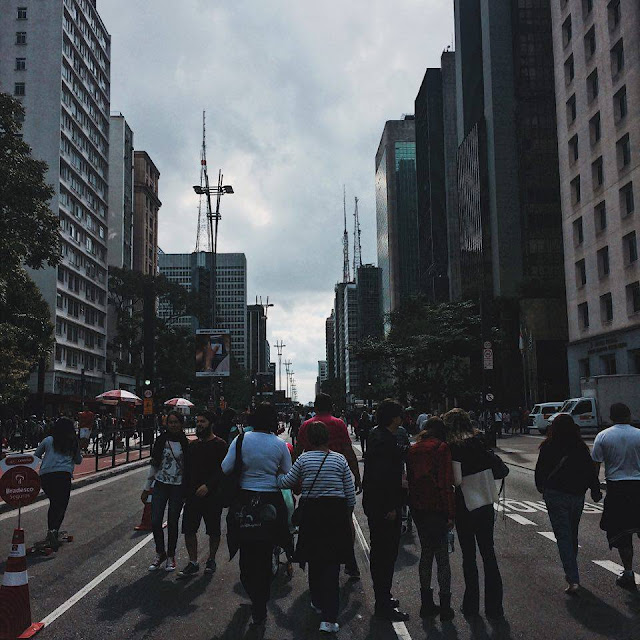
[(265, 383), (213, 353)]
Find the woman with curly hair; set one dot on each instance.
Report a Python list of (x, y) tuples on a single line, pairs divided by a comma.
[(476, 492)]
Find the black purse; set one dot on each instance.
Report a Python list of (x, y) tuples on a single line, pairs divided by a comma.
[(499, 469), (229, 485), (298, 513)]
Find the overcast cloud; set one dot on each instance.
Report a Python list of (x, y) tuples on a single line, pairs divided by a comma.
[(296, 95)]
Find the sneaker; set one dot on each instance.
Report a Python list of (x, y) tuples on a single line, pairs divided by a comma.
[(170, 564), (160, 558), (210, 567), (627, 581), (329, 627), (572, 589), (190, 570), (317, 610)]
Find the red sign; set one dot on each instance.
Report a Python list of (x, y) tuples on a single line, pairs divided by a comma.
[(19, 486)]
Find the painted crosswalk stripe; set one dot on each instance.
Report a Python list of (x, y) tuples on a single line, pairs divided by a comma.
[(519, 519), (551, 536), (613, 567)]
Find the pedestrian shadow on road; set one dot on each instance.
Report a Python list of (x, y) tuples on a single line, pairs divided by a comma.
[(601, 618), (237, 625)]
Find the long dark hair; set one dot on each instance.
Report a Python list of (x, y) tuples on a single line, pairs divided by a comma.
[(564, 434), (65, 440), (265, 418)]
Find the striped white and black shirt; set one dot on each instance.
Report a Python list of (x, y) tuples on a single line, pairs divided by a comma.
[(334, 480)]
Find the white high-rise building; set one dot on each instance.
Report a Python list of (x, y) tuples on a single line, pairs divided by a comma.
[(55, 58)]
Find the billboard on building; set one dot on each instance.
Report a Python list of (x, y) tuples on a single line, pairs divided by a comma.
[(213, 353), (265, 382)]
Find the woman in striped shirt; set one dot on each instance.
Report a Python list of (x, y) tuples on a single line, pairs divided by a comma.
[(324, 539)]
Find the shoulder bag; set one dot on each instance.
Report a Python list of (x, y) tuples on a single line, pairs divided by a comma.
[(499, 469), (298, 513)]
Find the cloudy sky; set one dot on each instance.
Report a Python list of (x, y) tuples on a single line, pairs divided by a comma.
[(296, 95)]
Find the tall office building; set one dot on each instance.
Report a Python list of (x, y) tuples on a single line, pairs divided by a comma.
[(369, 301), (330, 347), (396, 212), (597, 80), (338, 331), (431, 191), (146, 207), (258, 349), (352, 364), (55, 58), (509, 189), (323, 375), (192, 270)]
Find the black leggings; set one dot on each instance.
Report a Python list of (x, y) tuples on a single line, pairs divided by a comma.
[(255, 575), (57, 487)]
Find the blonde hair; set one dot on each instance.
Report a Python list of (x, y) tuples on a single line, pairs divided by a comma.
[(458, 424)]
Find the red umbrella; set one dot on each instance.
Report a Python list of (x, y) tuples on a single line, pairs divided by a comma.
[(179, 402), (118, 395)]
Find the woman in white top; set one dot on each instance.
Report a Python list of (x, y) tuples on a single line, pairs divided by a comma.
[(327, 501), (167, 476), (257, 521)]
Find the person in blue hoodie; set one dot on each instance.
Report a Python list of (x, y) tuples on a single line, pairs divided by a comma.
[(61, 451)]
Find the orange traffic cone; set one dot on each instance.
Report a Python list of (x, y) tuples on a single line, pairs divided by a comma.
[(145, 523), (15, 606)]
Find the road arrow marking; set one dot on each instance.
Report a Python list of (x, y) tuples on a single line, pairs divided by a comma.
[(519, 519)]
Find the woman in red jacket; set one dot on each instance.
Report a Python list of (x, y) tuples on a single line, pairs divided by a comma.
[(431, 496)]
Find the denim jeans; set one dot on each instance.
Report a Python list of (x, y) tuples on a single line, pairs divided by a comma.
[(163, 493), (565, 511), (476, 527)]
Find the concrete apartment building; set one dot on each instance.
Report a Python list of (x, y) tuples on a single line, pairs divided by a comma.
[(55, 58), (396, 212), (146, 207), (192, 270), (597, 77)]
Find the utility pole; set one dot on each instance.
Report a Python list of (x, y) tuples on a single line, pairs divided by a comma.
[(280, 346), (287, 366)]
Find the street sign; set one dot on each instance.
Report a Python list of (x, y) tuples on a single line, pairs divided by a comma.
[(148, 406), (20, 486), (490, 397), (148, 393), (487, 345), (19, 460), (487, 358)]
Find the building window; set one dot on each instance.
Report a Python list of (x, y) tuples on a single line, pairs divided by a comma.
[(587, 8), (22, 13), (571, 110), (600, 216), (585, 368), (573, 149), (595, 131), (597, 173), (21, 64), (633, 298), (19, 89), (609, 364), (575, 190), (590, 43), (623, 147), (617, 58), (581, 273), (59, 353), (569, 70), (627, 205), (583, 315), (21, 37), (567, 32), (578, 232), (606, 308), (634, 360), (603, 262), (593, 86), (615, 14), (620, 104), (630, 247)]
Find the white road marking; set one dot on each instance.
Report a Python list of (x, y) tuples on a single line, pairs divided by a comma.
[(519, 519), (399, 628), (551, 536), (613, 567), (74, 492), (511, 450), (65, 606)]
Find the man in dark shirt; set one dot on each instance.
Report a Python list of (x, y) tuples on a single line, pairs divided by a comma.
[(382, 503), (205, 457)]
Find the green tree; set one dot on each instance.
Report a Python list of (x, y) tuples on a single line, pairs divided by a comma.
[(28, 236)]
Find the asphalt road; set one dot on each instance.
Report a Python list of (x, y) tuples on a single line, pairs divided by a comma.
[(126, 601)]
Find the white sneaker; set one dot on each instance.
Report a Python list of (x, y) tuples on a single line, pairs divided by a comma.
[(170, 564), (157, 563), (329, 627)]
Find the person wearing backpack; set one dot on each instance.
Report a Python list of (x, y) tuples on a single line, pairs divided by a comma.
[(564, 472), (432, 502)]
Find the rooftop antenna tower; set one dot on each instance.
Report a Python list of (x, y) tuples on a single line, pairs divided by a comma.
[(346, 276), (357, 248), (202, 237)]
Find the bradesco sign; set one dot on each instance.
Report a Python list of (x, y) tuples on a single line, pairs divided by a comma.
[(19, 460), (20, 482)]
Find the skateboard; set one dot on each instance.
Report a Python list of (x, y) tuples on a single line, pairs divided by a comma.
[(44, 548)]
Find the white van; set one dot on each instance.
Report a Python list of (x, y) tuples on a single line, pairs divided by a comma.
[(540, 414)]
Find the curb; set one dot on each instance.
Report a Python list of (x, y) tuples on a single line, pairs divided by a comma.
[(90, 479)]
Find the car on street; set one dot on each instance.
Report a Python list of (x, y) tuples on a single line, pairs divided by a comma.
[(540, 414)]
